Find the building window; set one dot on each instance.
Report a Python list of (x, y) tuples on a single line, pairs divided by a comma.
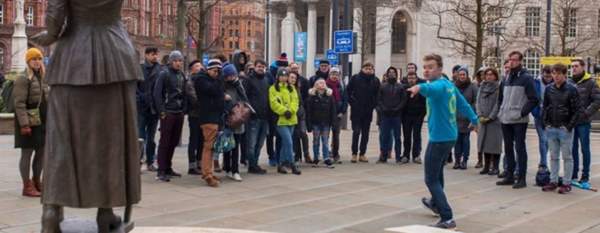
[(532, 61), (230, 44), (237, 45), (572, 23), (29, 18), (532, 21), (399, 33), (249, 33), (248, 45), (230, 33), (1, 13)]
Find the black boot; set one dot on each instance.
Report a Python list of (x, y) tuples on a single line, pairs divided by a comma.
[(495, 160), (456, 165), (508, 180), (521, 183), (295, 169), (107, 220), (463, 165), (282, 170), (486, 164)]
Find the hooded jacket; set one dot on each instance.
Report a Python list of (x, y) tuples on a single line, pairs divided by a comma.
[(589, 94), (391, 99), (284, 100), (211, 99), (320, 108), (237, 56)]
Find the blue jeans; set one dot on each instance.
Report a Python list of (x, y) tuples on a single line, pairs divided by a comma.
[(390, 127), (256, 133), (147, 125), (286, 154), (321, 136), (436, 155), (560, 141), (581, 134), (543, 142), (462, 147)]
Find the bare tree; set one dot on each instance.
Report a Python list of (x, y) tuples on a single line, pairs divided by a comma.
[(196, 23), (569, 23), (369, 24), (462, 24), (180, 25)]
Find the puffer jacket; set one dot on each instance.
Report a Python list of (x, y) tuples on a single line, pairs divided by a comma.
[(562, 106), (391, 99), (320, 108), (169, 92), (284, 100), (589, 94), (29, 90)]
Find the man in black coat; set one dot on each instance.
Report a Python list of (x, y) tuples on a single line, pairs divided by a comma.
[(147, 114), (362, 96), (412, 122), (322, 72), (391, 100), (257, 89)]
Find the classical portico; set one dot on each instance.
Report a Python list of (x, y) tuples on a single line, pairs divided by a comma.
[(387, 34)]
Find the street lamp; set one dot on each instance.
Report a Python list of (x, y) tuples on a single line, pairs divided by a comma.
[(497, 29)]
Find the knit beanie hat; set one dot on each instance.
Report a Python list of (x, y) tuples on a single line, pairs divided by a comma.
[(214, 63), (229, 70), (175, 55), (33, 53)]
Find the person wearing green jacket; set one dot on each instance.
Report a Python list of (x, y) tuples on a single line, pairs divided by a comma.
[(284, 102)]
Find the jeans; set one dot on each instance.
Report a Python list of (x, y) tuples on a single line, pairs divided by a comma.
[(436, 155), (256, 133), (560, 141), (360, 131), (514, 139), (209, 132), (543, 141), (148, 124), (231, 159), (390, 127), (335, 140), (286, 155), (273, 143), (411, 129), (170, 134), (195, 144), (321, 137), (462, 147), (581, 134), (300, 141)]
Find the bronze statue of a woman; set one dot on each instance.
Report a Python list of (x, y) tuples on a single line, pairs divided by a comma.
[(92, 158)]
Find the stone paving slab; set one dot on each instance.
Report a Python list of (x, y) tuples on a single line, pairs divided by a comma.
[(353, 198)]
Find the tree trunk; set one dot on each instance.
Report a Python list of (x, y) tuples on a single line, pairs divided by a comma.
[(201, 29), (180, 25), (479, 38)]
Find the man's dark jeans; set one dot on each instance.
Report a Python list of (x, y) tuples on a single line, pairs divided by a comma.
[(435, 159), (411, 128), (514, 139), (256, 132), (148, 124), (361, 125), (170, 134), (196, 142)]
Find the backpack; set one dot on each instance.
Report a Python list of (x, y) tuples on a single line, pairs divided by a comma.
[(8, 103), (542, 177), (225, 142)]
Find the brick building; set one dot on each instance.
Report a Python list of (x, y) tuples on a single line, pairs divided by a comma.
[(242, 28)]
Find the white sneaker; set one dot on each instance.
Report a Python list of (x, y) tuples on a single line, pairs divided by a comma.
[(230, 175), (237, 177)]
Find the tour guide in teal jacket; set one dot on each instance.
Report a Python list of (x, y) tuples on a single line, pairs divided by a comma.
[(443, 101)]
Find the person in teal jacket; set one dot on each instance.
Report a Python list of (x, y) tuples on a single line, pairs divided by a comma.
[(444, 101), (284, 102)]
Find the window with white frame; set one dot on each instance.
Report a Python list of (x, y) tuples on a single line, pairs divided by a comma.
[(1, 13), (572, 22), (532, 21), (531, 61), (29, 18)]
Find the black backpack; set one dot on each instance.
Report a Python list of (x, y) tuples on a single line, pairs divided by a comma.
[(542, 177)]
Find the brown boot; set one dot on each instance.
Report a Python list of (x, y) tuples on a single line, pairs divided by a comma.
[(29, 189), (363, 159), (38, 184), (354, 159), (217, 167), (212, 182)]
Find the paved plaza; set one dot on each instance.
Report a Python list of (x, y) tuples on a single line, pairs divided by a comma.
[(351, 198)]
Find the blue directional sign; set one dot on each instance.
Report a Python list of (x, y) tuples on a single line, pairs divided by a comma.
[(317, 63), (205, 59), (344, 41), (332, 57)]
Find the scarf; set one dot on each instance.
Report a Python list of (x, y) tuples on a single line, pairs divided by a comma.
[(335, 87)]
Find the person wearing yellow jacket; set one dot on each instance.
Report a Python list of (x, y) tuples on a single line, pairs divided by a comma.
[(284, 102)]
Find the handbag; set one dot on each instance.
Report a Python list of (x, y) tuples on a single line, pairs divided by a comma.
[(34, 116), (225, 142), (239, 114)]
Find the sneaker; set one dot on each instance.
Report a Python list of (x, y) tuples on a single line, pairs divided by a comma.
[(162, 177), (550, 187), (363, 159), (564, 189), (237, 177), (172, 173), (151, 168), (315, 163), (506, 181), (450, 225), (229, 175), (584, 179), (329, 164), (296, 170), (354, 159), (282, 170), (427, 203), (521, 183), (417, 160), (257, 170), (194, 172), (404, 160)]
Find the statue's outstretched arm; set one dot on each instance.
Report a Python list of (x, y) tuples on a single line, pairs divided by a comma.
[(56, 15)]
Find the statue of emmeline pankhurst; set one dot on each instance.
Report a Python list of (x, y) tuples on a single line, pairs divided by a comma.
[(92, 158)]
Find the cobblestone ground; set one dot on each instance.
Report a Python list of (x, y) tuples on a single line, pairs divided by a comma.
[(350, 198)]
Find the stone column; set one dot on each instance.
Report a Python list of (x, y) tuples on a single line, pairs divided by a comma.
[(273, 36), (19, 39), (383, 40), (357, 27), (287, 31), (311, 48)]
